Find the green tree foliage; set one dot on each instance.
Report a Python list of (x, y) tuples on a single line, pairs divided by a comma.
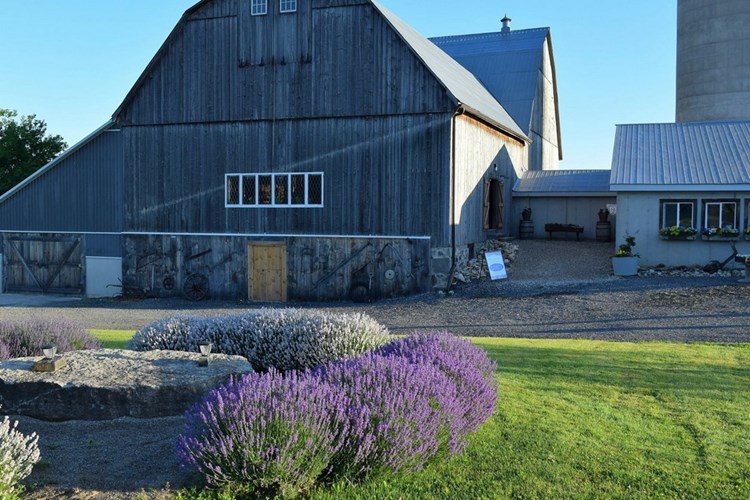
[(24, 147)]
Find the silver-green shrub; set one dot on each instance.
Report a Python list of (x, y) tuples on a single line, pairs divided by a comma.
[(285, 339), (18, 454)]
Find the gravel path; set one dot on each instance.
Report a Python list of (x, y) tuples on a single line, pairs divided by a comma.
[(571, 295)]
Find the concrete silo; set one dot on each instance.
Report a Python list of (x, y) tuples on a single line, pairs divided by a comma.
[(713, 60)]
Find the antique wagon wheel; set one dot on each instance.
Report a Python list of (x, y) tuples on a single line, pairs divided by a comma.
[(195, 287)]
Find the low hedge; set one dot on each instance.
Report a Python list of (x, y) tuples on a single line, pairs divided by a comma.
[(284, 339)]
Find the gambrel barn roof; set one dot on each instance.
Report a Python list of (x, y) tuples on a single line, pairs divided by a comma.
[(466, 89), (508, 65), (706, 156), (467, 92)]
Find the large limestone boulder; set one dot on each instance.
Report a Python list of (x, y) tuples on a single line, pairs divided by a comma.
[(108, 384)]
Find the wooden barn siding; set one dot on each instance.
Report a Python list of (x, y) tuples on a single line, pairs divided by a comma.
[(318, 268), (49, 263), (81, 193), (544, 152), (356, 65), (478, 150), (383, 176)]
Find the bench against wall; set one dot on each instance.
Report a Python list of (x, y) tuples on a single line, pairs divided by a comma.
[(563, 228)]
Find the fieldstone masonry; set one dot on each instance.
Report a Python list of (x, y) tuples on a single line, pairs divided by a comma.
[(109, 384)]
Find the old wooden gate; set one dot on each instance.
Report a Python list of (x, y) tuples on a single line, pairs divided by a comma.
[(47, 264), (266, 272)]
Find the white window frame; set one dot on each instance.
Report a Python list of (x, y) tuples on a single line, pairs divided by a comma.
[(722, 222), (287, 6), (273, 204), (664, 204), (258, 7)]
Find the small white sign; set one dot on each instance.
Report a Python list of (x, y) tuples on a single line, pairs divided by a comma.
[(496, 265)]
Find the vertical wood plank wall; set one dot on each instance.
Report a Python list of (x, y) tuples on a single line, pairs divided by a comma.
[(544, 151), (479, 150), (354, 103), (81, 193)]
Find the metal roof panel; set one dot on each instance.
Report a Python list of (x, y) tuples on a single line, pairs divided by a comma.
[(460, 82), (563, 181), (685, 154), (506, 63)]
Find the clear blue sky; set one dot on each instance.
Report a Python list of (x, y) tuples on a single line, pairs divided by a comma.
[(72, 62)]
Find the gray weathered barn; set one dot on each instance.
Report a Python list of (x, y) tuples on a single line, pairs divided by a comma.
[(319, 149)]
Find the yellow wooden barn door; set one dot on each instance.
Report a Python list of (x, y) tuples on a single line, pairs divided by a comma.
[(266, 265)]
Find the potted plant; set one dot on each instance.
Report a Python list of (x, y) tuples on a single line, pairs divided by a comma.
[(678, 233), (625, 262), (526, 214), (747, 233), (603, 215)]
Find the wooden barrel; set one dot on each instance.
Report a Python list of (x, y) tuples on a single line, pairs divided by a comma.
[(603, 231), (526, 230)]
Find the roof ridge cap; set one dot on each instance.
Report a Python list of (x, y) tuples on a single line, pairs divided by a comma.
[(488, 34)]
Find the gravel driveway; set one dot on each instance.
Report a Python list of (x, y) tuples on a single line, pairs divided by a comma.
[(569, 295)]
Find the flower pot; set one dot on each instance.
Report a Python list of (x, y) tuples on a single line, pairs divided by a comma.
[(625, 266)]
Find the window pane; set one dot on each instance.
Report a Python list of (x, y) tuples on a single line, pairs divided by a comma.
[(315, 189), (298, 190), (713, 215), (727, 214), (288, 5), (686, 215), (264, 189), (248, 190), (282, 190), (233, 190), (670, 215), (259, 7)]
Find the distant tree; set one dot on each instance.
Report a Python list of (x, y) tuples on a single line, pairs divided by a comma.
[(24, 147)]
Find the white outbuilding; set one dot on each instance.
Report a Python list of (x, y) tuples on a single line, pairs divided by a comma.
[(675, 179)]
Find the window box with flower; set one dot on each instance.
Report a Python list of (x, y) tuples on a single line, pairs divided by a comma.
[(725, 233), (678, 233)]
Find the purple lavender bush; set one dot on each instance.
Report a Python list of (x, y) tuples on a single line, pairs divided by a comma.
[(466, 365), (266, 434), (410, 403), (20, 339), (398, 415)]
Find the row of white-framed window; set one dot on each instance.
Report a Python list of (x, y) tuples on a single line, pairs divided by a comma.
[(716, 213), (282, 190), (260, 7)]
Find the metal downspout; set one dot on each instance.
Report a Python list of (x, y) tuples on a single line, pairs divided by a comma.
[(459, 112)]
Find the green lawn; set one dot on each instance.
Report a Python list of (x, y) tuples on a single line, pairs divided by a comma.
[(578, 418), (113, 339)]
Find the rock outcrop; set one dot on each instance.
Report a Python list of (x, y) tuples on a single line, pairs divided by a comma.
[(108, 384)]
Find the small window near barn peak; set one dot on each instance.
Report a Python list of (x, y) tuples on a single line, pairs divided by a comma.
[(293, 190), (259, 7), (288, 6)]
